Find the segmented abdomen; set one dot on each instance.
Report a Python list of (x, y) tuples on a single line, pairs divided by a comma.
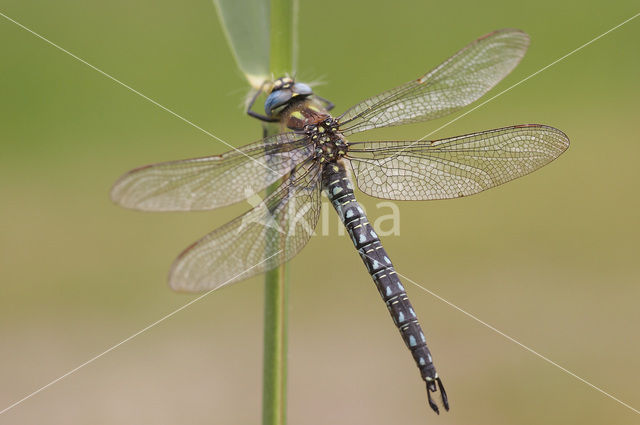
[(340, 192)]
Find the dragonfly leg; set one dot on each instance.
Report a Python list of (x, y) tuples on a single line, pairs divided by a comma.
[(431, 388), (328, 104), (255, 114), (261, 117)]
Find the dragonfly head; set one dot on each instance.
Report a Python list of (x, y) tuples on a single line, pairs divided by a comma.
[(284, 90)]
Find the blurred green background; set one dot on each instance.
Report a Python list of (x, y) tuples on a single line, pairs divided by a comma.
[(550, 259)]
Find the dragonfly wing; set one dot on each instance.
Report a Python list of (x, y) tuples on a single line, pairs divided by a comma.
[(257, 241), (454, 84), (214, 181), (453, 167)]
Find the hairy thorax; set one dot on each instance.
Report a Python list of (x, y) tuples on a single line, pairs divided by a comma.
[(312, 120)]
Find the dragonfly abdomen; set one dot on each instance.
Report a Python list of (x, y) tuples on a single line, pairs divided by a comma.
[(340, 192)]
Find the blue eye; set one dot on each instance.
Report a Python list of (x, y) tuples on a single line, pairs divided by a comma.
[(302, 89), (276, 99)]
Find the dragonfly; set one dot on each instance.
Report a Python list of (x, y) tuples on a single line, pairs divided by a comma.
[(312, 154)]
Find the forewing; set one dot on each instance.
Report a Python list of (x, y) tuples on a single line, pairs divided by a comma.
[(453, 167), (214, 181), (457, 82), (260, 240)]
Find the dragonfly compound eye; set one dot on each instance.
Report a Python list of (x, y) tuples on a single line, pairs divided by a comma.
[(300, 89), (276, 99)]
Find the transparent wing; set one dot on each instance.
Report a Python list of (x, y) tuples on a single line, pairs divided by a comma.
[(214, 181), (257, 241), (457, 82), (453, 167)]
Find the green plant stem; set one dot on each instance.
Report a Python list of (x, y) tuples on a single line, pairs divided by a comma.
[(282, 37), (274, 395), (274, 391)]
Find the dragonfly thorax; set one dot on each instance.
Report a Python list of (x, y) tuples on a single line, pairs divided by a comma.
[(330, 145)]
